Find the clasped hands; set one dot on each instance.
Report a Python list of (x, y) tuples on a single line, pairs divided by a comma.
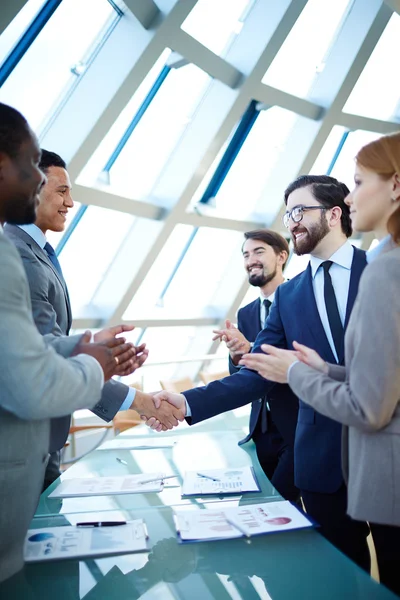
[(114, 354)]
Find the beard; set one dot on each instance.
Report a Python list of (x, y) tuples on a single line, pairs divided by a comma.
[(261, 280), (20, 211), (314, 234)]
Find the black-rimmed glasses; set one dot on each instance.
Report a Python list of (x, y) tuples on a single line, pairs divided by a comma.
[(297, 212)]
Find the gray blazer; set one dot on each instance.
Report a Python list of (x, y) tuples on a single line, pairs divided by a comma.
[(52, 314), (365, 395), (35, 384)]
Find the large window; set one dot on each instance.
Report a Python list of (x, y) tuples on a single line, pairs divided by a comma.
[(216, 24), (242, 191), (377, 91), (187, 286), (90, 251), (306, 49), (344, 165), (12, 34), (59, 54), (146, 153)]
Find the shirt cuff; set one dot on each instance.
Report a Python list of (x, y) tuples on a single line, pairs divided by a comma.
[(188, 411), (291, 367), (130, 397)]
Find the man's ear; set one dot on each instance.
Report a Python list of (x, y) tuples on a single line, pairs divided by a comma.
[(282, 257), (336, 215)]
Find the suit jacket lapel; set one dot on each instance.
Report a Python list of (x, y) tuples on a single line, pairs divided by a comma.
[(42, 256), (310, 316), (256, 317), (357, 267)]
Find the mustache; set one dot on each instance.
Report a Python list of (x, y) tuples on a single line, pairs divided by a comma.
[(252, 267)]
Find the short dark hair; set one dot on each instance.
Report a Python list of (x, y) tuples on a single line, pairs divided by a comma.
[(51, 159), (329, 192), (14, 130), (269, 237)]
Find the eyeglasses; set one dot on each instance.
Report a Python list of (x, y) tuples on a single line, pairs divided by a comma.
[(296, 214)]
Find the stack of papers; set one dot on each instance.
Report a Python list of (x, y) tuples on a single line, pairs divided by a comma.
[(136, 444), (106, 486), (55, 543), (249, 520), (220, 481)]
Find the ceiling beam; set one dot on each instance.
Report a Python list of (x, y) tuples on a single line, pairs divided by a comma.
[(205, 59), (96, 197), (145, 11)]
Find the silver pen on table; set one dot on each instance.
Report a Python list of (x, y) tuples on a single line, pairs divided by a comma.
[(207, 477), (120, 460), (153, 479)]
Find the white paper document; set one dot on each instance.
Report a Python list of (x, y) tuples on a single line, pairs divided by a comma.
[(248, 520), (55, 543), (136, 444), (220, 481), (106, 486), (202, 525)]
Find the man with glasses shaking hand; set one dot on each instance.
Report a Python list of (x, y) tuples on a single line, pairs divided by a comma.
[(312, 309)]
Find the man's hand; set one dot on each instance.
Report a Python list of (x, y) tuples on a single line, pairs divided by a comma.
[(110, 354), (141, 356), (166, 414), (235, 341), (161, 398), (133, 361)]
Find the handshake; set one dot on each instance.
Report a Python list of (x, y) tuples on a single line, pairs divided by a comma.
[(161, 410)]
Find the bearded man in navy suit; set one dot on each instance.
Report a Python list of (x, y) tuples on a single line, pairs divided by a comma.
[(314, 309)]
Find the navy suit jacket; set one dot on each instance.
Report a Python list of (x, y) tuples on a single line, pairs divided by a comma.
[(284, 414), (293, 316)]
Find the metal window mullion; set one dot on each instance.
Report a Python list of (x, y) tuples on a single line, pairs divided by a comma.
[(27, 39), (139, 114), (233, 149)]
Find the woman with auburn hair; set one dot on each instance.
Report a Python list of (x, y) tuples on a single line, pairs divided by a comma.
[(365, 395)]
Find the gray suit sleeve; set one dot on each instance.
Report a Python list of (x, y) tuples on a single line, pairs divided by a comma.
[(369, 397), (337, 372), (36, 383), (112, 398)]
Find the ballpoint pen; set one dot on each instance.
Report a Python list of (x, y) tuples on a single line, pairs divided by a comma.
[(101, 524), (120, 460), (238, 527), (153, 479), (207, 477)]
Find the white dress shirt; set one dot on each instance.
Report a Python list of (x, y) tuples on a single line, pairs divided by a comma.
[(38, 236), (340, 273)]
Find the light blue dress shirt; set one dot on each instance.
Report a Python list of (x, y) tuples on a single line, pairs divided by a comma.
[(379, 248), (38, 236)]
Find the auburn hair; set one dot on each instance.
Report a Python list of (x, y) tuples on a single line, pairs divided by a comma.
[(382, 156)]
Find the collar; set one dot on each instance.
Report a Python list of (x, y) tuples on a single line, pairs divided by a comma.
[(272, 296), (342, 257), (384, 245), (35, 233)]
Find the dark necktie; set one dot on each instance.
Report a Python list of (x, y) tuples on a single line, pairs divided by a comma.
[(267, 304), (332, 310), (53, 258), (264, 407)]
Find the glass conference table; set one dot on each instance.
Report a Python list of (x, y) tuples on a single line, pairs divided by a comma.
[(286, 566)]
